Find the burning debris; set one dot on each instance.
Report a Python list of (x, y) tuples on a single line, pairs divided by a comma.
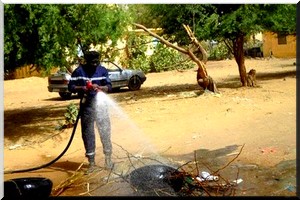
[(165, 180), (160, 179)]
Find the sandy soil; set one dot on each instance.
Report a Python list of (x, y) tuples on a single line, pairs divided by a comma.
[(171, 118)]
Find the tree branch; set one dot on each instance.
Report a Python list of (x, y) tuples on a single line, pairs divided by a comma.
[(196, 42), (182, 50), (229, 46)]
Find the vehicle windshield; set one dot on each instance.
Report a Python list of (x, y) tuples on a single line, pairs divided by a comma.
[(110, 66)]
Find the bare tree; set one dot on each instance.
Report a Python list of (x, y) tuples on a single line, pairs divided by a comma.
[(203, 79)]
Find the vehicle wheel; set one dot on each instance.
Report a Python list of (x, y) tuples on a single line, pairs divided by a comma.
[(65, 95), (134, 83)]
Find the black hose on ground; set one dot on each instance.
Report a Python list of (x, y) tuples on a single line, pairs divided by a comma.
[(58, 157)]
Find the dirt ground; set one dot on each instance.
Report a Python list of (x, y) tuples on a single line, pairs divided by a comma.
[(170, 118)]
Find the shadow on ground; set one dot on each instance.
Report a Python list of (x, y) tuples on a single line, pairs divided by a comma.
[(24, 123), (234, 81), (28, 123)]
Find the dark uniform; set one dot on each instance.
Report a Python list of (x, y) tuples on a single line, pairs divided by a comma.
[(90, 111)]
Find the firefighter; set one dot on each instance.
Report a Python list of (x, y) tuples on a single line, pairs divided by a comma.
[(87, 80)]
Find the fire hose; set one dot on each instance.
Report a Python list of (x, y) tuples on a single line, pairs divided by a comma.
[(89, 86), (58, 157)]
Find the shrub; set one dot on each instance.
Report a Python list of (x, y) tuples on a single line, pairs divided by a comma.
[(219, 52), (71, 115), (165, 59)]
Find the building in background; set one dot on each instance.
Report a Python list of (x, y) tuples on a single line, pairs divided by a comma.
[(279, 45)]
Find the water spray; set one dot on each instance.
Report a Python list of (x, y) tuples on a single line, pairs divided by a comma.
[(151, 175)]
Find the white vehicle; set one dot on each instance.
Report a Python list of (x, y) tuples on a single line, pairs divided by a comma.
[(133, 79)]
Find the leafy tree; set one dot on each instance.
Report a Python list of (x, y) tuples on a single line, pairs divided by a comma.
[(50, 35), (229, 23), (280, 18), (141, 14)]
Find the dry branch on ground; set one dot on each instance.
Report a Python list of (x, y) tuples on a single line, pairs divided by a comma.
[(192, 185)]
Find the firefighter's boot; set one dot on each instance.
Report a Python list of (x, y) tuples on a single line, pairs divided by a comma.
[(108, 163), (92, 165)]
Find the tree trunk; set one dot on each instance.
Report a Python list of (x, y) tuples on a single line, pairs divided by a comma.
[(239, 57)]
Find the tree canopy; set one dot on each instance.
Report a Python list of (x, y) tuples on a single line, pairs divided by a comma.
[(222, 21), (49, 35), (229, 23)]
